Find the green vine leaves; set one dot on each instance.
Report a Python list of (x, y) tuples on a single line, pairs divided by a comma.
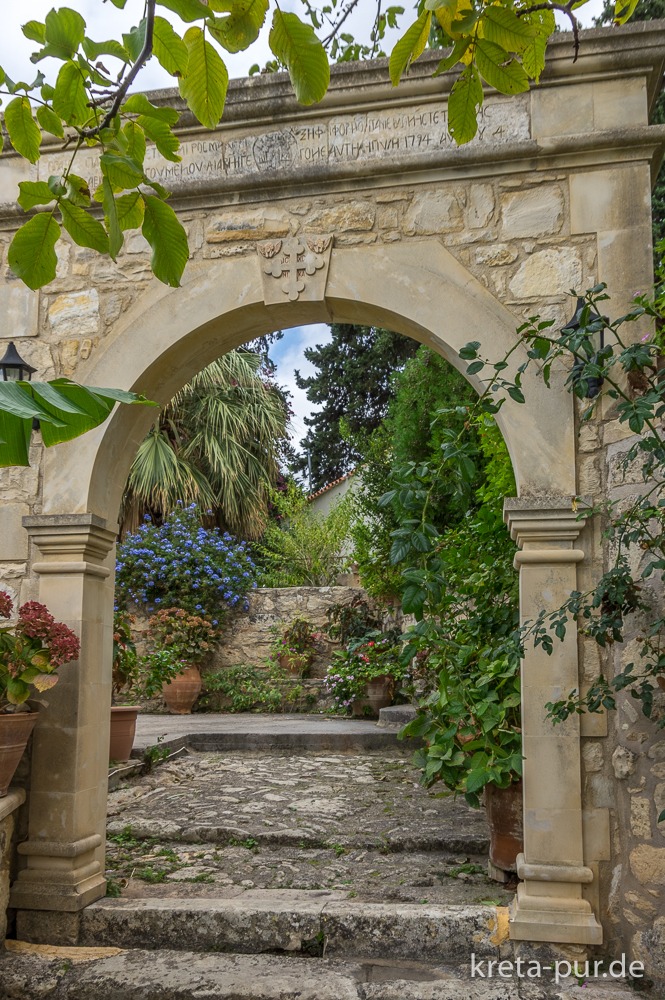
[(89, 106)]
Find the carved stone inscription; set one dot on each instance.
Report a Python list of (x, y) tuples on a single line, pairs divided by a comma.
[(340, 139)]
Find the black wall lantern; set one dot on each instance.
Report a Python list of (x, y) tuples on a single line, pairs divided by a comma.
[(13, 368)]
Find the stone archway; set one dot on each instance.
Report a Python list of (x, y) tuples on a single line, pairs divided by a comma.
[(391, 224), (179, 333)]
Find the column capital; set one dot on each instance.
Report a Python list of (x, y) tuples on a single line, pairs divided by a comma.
[(72, 543), (545, 525)]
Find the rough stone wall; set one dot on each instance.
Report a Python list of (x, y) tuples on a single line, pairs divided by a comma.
[(9, 806), (248, 637)]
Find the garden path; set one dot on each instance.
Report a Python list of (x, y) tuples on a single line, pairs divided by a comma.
[(356, 821)]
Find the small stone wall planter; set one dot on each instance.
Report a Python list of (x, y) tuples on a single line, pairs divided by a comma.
[(15, 731), (181, 693), (123, 731)]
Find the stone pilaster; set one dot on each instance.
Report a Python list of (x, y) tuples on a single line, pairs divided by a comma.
[(64, 852), (550, 905)]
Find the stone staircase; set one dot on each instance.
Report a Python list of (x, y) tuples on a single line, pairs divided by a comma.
[(289, 869)]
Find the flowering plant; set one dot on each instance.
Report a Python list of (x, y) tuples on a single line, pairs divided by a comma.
[(297, 642), (181, 563), (187, 637), (31, 651), (352, 668)]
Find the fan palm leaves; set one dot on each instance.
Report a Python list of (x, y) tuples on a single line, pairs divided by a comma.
[(216, 444)]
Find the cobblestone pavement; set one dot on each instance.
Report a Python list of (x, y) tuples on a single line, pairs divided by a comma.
[(223, 823)]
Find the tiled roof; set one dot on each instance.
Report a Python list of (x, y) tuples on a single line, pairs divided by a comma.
[(329, 486)]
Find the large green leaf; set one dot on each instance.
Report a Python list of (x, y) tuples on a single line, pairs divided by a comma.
[(70, 100), (64, 410), (121, 171), (134, 40), (49, 121), (169, 48), (242, 26), (64, 32), (32, 254), (533, 57), (187, 10), (112, 47), (410, 46), (83, 228), (166, 141), (503, 27), (113, 227), (34, 193), (23, 131), (458, 50), (204, 88), (132, 137), (465, 99), (501, 72), (297, 47), (129, 208), (138, 104), (35, 31), (168, 240)]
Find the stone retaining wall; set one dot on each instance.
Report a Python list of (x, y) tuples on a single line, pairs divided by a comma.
[(9, 806), (249, 636)]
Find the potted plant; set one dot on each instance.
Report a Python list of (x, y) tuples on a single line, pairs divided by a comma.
[(123, 688), (364, 677), (470, 726), (295, 645), (179, 641), (31, 651)]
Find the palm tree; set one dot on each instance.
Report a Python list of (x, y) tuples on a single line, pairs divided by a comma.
[(217, 444)]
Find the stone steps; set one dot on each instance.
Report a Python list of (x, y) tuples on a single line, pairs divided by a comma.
[(28, 972), (306, 923)]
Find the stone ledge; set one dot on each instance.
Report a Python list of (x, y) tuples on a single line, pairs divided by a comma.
[(10, 802)]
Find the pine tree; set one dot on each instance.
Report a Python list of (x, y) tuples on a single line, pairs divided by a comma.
[(353, 384)]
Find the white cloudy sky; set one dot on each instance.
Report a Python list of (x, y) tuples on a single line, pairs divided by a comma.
[(106, 21)]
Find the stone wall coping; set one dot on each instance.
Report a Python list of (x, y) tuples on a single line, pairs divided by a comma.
[(603, 52), (551, 504), (10, 802)]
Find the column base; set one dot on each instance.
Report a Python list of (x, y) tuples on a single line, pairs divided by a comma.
[(63, 876), (552, 919)]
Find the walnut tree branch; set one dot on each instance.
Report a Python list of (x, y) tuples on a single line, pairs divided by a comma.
[(121, 93)]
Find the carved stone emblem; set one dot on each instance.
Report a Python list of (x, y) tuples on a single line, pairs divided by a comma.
[(293, 260)]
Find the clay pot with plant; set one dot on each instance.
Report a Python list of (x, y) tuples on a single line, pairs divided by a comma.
[(178, 642), (295, 645), (31, 652), (366, 676)]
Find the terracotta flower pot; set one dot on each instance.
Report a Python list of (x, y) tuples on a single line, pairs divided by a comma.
[(380, 692), (296, 663), (504, 817), (15, 730), (181, 693), (123, 731)]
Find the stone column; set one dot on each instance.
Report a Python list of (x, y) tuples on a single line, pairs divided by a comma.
[(549, 905), (64, 852)]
